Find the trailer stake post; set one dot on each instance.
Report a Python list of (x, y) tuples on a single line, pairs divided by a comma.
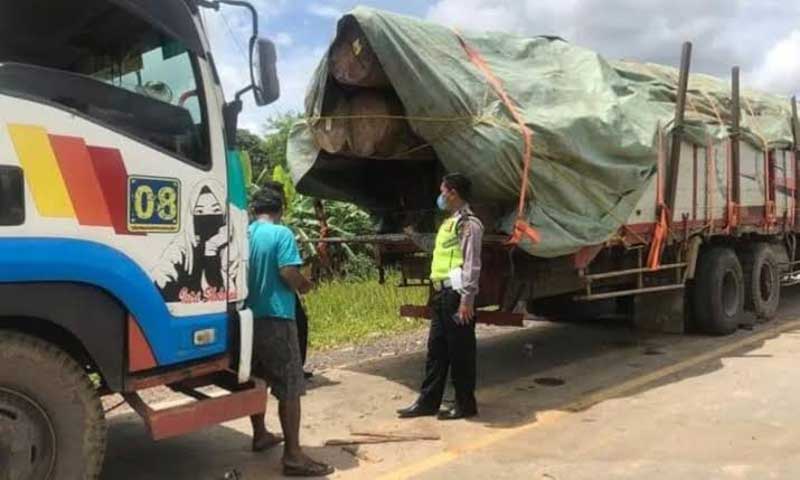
[(735, 136), (677, 129), (795, 161)]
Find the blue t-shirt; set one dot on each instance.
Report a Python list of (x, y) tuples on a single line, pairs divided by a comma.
[(272, 247)]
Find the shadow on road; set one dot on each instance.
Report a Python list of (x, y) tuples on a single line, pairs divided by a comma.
[(522, 373), (548, 366), (209, 455)]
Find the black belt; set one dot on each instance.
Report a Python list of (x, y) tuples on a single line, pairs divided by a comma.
[(439, 286)]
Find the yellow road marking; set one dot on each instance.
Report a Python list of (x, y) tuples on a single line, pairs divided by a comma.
[(550, 416)]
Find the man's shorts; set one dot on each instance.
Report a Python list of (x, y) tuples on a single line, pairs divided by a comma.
[(276, 357)]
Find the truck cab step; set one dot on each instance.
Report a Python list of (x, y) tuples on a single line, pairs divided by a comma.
[(240, 400)]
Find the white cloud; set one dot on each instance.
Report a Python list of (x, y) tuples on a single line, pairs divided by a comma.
[(780, 71), (295, 73), (325, 11), (283, 39), (476, 15), (270, 8), (229, 31), (724, 32)]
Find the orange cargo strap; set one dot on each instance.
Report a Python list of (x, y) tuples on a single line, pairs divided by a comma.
[(521, 226), (661, 227)]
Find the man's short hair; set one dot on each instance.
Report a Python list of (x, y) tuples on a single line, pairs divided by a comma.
[(277, 187), (460, 183), (267, 201)]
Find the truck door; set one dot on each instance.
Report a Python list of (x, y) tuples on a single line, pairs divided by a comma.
[(117, 131)]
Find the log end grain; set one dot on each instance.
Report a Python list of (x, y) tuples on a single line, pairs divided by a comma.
[(352, 60)]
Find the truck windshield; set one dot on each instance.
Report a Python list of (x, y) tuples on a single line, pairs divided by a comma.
[(163, 73), (96, 58)]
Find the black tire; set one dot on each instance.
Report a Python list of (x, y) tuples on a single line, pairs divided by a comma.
[(762, 281), (718, 292), (51, 420)]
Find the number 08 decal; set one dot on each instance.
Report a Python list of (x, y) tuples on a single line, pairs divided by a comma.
[(154, 204)]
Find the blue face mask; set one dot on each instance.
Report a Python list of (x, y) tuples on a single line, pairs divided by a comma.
[(441, 202)]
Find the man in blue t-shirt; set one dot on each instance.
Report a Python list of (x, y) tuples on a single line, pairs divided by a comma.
[(274, 280)]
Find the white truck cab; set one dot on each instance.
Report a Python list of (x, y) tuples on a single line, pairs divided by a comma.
[(123, 220)]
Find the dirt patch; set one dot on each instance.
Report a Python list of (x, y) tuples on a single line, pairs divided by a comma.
[(319, 361), (381, 347)]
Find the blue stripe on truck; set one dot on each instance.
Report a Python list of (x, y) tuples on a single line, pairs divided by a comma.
[(80, 261)]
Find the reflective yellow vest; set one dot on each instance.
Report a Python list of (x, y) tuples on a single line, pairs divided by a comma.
[(447, 253)]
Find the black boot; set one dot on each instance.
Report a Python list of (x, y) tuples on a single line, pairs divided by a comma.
[(457, 413), (416, 410)]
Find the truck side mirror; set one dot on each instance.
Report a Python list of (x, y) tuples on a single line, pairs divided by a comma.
[(267, 87)]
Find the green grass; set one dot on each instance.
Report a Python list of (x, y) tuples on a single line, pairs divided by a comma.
[(342, 312)]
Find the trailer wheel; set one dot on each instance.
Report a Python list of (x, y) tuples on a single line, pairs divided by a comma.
[(718, 292), (762, 281), (51, 419)]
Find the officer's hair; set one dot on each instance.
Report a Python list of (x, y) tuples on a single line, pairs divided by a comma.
[(460, 183)]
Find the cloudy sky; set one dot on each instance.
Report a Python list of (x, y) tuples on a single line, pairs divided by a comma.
[(762, 36)]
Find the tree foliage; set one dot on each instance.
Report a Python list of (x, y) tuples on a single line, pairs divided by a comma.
[(268, 151), (268, 156)]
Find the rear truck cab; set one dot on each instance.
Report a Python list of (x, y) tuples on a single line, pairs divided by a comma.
[(123, 220)]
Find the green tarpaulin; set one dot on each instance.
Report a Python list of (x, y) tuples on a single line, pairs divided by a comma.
[(594, 123)]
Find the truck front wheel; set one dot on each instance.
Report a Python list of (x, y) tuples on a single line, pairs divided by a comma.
[(718, 292), (51, 419)]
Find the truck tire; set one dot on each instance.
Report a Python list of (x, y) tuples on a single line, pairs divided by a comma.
[(718, 292), (51, 420), (762, 281)]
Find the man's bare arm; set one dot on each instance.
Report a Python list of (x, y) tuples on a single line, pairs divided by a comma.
[(295, 280)]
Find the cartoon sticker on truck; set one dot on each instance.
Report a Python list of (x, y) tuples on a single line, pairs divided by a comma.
[(191, 268)]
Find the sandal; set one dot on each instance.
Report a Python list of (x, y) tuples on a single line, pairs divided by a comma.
[(267, 442), (310, 469)]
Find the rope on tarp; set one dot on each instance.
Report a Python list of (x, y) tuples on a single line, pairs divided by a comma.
[(521, 227), (478, 119)]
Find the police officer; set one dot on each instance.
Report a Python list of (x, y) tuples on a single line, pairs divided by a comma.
[(455, 272)]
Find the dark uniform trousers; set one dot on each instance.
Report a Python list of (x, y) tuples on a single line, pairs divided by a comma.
[(451, 347)]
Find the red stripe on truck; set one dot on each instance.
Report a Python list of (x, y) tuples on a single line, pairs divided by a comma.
[(82, 182), (113, 176)]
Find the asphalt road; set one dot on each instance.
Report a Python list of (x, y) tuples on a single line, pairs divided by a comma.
[(595, 400)]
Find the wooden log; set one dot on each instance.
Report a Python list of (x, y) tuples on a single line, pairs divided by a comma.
[(352, 60), (331, 134), (373, 131)]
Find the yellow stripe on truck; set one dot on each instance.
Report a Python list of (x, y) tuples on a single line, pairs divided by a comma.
[(41, 171)]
